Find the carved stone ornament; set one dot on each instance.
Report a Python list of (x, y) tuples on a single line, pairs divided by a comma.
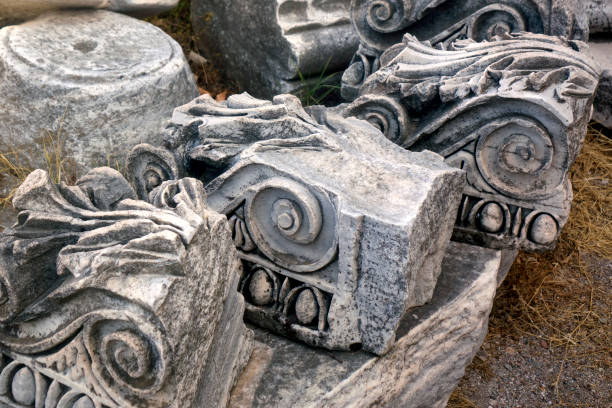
[(339, 230), (512, 113), (382, 24), (108, 301)]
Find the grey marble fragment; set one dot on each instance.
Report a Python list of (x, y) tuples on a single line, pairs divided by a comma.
[(511, 112), (601, 51), (435, 344), (107, 301), (266, 45), (28, 9), (340, 231), (95, 83)]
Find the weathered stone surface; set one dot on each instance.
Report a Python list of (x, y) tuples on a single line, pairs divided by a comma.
[(383, 23), (601, 51), (600, 16), (511, 112), (266, 44), (27, 9), (108, 301), (340, 231), (96, 82), (435, 344)]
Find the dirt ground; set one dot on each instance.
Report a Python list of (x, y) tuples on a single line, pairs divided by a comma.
[(549, 341)]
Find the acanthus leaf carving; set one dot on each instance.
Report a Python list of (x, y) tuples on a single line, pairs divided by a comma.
[(105, 322)]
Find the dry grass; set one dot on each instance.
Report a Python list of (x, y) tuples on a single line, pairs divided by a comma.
[(14, 168), (563, 297), (553, 295)]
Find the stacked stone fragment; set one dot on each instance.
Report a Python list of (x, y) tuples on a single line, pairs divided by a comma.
[(329, 229)]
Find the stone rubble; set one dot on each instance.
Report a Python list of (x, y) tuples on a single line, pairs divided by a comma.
[(324, 227)]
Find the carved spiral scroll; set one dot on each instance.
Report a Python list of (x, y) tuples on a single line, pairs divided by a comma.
[(387, 16), (291, 225), (149, 166), (384, 113), (495, 20), (26, 387), (519, 157), (381, 23), (125, 357)]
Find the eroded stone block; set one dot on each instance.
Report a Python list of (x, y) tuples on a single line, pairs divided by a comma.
[(511, 112), (266, 45), (435, 343), (27, 9), (95, 82), (340, 231), (108, 301)]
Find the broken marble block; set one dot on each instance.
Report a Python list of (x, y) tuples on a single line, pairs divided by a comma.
[(511, 112), (94, 83), (435, 343), (340, 231), (27, 9), (600, 16), (383, 23), (601, 51), (276, 46), (112, 302)]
